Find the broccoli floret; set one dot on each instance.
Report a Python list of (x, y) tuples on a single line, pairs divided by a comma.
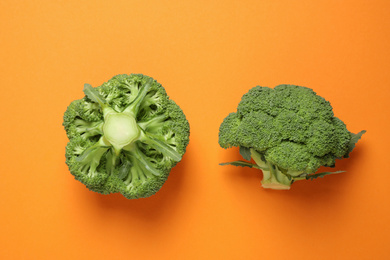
[(125, 136), (289, 132)]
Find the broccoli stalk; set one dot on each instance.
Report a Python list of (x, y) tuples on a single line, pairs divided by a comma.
[(289, 132), (128, 142), (273, 178)]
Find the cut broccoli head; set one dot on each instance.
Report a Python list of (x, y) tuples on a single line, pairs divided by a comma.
[(125, 136), (289, 131)]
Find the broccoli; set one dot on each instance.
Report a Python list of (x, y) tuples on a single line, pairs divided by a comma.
[(289, 132), (125, 136)]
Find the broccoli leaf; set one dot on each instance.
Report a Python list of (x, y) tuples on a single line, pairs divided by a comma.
[(354, 139), (245, 153), (243, 164), (320, 175), (124, 170)]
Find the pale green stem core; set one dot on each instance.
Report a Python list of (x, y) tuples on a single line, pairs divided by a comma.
[(120, 130), (272, 178)]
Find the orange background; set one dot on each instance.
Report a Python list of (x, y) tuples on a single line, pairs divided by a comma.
[(206, 54)]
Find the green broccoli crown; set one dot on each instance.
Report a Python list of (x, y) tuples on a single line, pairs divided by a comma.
[(290, 127), (125, 136)]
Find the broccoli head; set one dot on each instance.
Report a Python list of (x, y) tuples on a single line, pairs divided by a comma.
[(289, 132), (125, 136)]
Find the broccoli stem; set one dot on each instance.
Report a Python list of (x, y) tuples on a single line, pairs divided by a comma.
[(273, 178), (153, 124), (88, 129), (90, 159), (160, 146), (133, 108), (120, 130), (141, 161), (112, 159)]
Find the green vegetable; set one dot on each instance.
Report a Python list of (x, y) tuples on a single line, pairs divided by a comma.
[(125, 136), (289, 132)]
